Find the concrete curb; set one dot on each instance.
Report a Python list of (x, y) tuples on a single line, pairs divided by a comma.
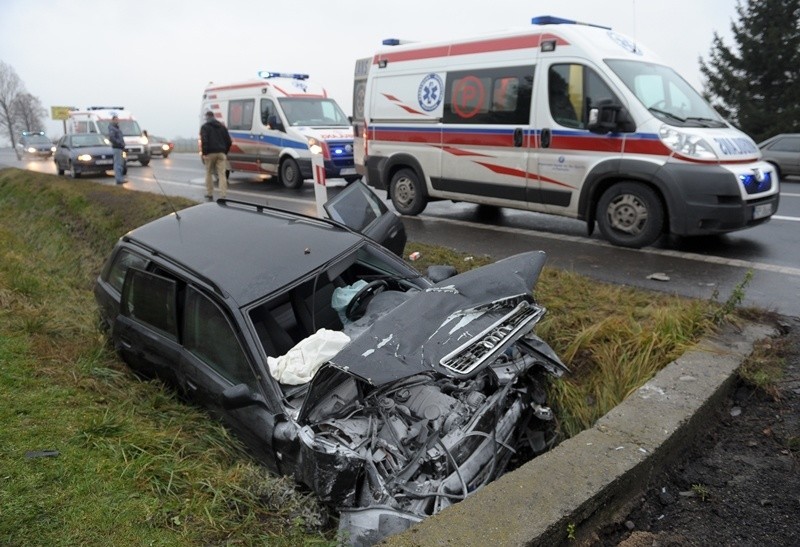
[(586, 479)]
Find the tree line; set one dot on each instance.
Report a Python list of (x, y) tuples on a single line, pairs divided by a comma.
[(19, 110), (754, 84)]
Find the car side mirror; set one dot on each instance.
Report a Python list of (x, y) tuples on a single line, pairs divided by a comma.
[(240, 396), (609, 117), (440, 273), (274, 123)]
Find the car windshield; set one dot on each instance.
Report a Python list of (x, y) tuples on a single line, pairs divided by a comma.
[(81, 141), (37, 139), (130, 128), (665, 94), (315, 112)]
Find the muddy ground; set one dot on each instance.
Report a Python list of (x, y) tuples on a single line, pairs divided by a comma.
[(739, 484)]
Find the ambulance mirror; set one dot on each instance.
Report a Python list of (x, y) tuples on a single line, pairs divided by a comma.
[(274, 123), (609, 117)]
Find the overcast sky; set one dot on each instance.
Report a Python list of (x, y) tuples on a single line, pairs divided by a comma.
[(156, 57)]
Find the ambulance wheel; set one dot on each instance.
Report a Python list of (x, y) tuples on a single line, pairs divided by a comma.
[(630, 215), (290, 174), (408, 194)]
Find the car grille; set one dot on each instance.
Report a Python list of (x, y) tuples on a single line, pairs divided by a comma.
[(494, 339), (341, 153)]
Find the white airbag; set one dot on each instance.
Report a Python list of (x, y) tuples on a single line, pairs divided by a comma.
[(300, 364)]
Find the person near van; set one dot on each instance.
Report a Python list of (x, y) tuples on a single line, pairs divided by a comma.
[(215, 142), (118, 145)]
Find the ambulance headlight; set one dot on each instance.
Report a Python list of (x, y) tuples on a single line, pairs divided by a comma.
[(686, 144), (315, 146)]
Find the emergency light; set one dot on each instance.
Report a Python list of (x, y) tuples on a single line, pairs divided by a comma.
[(266, 75), (551, 20)]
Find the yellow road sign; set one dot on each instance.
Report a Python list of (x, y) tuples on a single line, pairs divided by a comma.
[(60, 112)]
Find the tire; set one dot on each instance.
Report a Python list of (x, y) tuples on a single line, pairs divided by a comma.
[(74, 173), (166, 155), (630, 215), (351, 178), (145, 162), (408, 193), (290, 174), (58, 169)]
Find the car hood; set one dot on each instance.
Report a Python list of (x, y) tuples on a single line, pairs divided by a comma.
[(93, 150), (324, 133), (435, 329)]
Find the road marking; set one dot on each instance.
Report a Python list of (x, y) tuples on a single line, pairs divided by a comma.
[(735, 262), (778, 217), (785, 195)]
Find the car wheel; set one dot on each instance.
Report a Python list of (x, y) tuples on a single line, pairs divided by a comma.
[(73, 172), (144, 162), (58, 169), (290, 174), (166, 155), (408, 194), (630, 214), (351, 179)]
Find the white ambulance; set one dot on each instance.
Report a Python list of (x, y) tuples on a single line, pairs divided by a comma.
[(96, 119), (276, 121), (563, 118)]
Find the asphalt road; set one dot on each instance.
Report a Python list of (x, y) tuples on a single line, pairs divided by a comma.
[(696, 267)]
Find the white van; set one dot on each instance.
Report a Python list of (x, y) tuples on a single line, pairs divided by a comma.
[(96, 119), (563, 118), (275, 122)]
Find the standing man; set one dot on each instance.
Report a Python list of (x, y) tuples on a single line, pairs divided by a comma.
[(215, 142), (118, 144)]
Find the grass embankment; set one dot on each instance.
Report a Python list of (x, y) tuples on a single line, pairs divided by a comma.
[(134, 465)]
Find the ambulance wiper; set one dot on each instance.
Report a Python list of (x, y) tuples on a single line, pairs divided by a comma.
[(667, 114), (706, 122)]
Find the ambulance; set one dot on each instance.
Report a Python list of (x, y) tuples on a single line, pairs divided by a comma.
[(96, 119), (276, 121), (562, 117)]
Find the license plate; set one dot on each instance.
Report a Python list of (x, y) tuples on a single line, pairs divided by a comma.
[(105, 162), (761, 211), (348, 171)]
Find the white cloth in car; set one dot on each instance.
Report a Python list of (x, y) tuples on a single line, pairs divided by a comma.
[(300, 364)]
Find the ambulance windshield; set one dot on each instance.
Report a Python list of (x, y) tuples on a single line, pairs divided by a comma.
[(666, 95), (313, 112), (129, 128)]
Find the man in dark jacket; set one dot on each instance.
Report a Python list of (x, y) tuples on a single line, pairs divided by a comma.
[(215, 142), (118, 145)]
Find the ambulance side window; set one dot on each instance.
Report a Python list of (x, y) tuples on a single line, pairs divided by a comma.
[(572, 90), (267, 110), (240, 114), (489, 96)]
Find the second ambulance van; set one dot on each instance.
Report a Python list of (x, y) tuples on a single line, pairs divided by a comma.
[(563, 118), (277, 121)]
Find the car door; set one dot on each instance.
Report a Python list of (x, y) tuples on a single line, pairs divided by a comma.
[(145, 333), (360, 209), (215, 360)]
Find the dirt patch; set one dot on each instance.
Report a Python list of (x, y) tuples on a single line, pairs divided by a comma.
[(738, 484)]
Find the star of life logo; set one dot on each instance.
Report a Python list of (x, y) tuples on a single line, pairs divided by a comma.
[(430, 92)]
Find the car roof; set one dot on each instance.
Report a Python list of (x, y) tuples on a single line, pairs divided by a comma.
[(247, 251)]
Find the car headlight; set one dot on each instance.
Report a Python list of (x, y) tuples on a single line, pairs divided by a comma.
[(53, 149), (31, 150), (164, 147), (85, 157), (686, 144)]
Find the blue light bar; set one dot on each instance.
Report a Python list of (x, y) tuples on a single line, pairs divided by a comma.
[(551, 20), (391, 42), (266, 74), (754, 184)]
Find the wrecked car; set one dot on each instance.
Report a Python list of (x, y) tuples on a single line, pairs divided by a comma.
[(389, 394)]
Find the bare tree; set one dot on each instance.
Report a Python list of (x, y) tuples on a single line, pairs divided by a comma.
[(10, 89), (29, 113)]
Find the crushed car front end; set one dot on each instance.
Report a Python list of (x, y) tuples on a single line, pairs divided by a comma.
[(432, 400)]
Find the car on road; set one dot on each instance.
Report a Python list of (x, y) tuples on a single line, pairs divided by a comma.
[(35, 145), (82, 154), (159, 146), (389, 394), (783, 151)]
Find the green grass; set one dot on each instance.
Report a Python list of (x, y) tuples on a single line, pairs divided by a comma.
[(136, 466)]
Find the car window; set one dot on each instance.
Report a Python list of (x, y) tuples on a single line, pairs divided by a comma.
[(151, 300), (788, 144), (211, 338), (119, 267), (572, 91)]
